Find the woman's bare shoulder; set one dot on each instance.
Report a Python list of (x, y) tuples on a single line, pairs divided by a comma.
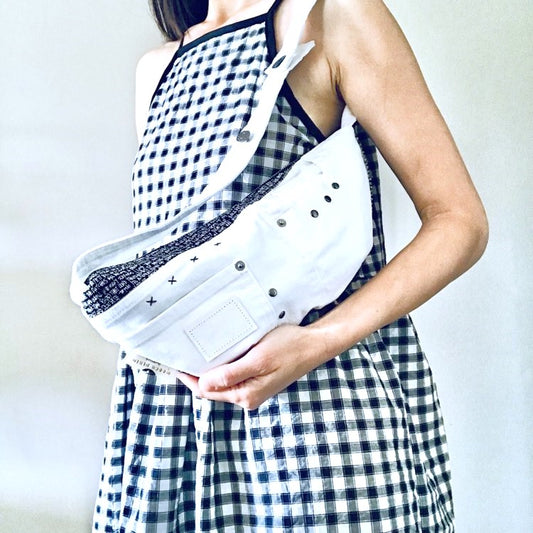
[(368, 52), (153, 63), (158, 55), (367, 22), (150, 68)]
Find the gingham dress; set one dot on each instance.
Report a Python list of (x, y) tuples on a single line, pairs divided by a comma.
[(357, 445)]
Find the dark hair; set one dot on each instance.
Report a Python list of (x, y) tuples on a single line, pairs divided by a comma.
[(175, 17)]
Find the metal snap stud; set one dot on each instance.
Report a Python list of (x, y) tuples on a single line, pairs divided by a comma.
[(282, 314), (240, 266), (282, 222), (314, 213), (244, 136), (273, 292), (335, 185), (327, 198)]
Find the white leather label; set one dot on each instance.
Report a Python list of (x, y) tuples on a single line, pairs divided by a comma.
[(221, 328)]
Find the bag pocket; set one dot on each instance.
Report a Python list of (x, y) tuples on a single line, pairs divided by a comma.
[(216, 322)]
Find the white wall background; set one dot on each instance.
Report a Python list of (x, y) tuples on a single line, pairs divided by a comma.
[(66, 146)]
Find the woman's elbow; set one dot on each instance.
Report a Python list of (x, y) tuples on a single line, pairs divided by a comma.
[(465, 230), (481, 230), (476, 229)]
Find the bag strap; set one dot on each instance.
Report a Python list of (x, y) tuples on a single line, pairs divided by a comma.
[(244, 146)]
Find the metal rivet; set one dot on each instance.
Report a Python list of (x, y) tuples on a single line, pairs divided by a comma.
[(314, 213), (335, 185), (272, 292), (282, 222), (278, 62), (240, 266), (327, 198), (282, 314), (244, 136)]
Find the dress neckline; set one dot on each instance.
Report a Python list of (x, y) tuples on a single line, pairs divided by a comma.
[(227, 28)]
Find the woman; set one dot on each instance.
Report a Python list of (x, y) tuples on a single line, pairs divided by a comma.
[(332, 425)]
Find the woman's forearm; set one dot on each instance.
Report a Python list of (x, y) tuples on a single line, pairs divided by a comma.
[(446, 246)]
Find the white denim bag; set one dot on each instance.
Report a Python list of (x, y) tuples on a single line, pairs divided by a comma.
[(293, 245)]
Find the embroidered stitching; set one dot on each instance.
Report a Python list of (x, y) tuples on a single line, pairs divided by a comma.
[(109, 285)]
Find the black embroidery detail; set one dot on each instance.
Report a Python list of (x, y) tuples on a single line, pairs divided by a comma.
[(151, 301), (108, 285)]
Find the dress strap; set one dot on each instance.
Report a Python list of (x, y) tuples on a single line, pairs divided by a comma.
[(274, 7)]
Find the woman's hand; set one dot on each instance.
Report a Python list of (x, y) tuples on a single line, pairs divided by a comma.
[(280, 358)]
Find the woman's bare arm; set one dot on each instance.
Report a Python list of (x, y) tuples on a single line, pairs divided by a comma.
[(384, 88), (150, 68)]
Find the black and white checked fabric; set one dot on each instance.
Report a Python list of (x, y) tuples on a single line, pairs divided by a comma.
[(356, 446), (203, 102)]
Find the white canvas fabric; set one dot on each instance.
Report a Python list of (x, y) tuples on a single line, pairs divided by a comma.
[(295, 249)]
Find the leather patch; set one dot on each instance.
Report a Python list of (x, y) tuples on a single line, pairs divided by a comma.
[(221, 329)]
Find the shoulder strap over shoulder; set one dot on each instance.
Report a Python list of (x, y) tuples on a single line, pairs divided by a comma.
[(244, 146)]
